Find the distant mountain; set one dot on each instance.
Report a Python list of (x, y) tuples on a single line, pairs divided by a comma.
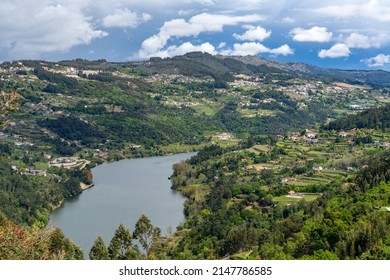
[(204, 64), (379, 77)]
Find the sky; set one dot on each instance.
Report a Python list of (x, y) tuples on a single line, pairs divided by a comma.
[(350, 34)]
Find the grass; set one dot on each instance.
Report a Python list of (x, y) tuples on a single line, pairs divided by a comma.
[(207, 109), (40, 165), (262, 148), (180, 148), (285, 199)]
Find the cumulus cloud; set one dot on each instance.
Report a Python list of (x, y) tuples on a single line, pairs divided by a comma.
[(371, 9), (196, 25), (282, 50), (377, 61), (254, 33), (314, 34), (29, 29), (125, 18), (254, 48), (356, 40), (338, 50), (185, 48)]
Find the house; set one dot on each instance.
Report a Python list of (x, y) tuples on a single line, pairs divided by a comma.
[(46, 156), (288, 179), (318, 168), (135, 146), (344, 134), (294, 138), (311, 134), (224, 136), (245, 159)]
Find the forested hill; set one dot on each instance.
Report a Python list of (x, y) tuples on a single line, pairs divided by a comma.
[(261, 117), (201, 64), (375, 118)]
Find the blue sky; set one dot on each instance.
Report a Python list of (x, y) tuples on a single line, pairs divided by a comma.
[(351, 34)]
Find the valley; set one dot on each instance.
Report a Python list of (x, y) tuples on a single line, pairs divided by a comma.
[(292, 159)]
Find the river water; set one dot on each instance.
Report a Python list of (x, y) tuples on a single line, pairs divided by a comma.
[(123, 191)]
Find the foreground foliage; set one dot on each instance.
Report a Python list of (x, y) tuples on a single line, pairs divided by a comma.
[(19, 243)]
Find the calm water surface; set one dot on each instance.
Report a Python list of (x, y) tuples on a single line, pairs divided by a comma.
[(123, 191)]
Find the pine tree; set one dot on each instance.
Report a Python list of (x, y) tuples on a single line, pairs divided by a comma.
[(121, 247), (146, 233), (99, 250)]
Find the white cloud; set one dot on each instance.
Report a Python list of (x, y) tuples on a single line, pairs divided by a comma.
[(377, 61), (254, 33), (30, 29), (254, 48), (125, 18), (222, 45), (153, 45), (338, 50), (372, 9), (146, 17), (356, 40), (185, 48), (196, 25), (314, 34), (244, 49), (282, 50)]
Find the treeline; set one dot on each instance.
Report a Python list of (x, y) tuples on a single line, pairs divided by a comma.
[(122, 245), (376, 118)]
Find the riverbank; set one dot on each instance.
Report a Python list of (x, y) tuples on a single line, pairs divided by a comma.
[(124, 190), (84, 186)]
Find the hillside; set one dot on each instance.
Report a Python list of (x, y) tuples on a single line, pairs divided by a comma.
[(376, 118), (310, 196), (256, 113)]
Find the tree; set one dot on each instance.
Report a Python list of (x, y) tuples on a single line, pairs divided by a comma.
[(62, 248), (99, 250), (8, 103), (146, 233), (121, 247)]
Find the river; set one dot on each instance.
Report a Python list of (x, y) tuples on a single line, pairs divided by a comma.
[(123, 191)]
